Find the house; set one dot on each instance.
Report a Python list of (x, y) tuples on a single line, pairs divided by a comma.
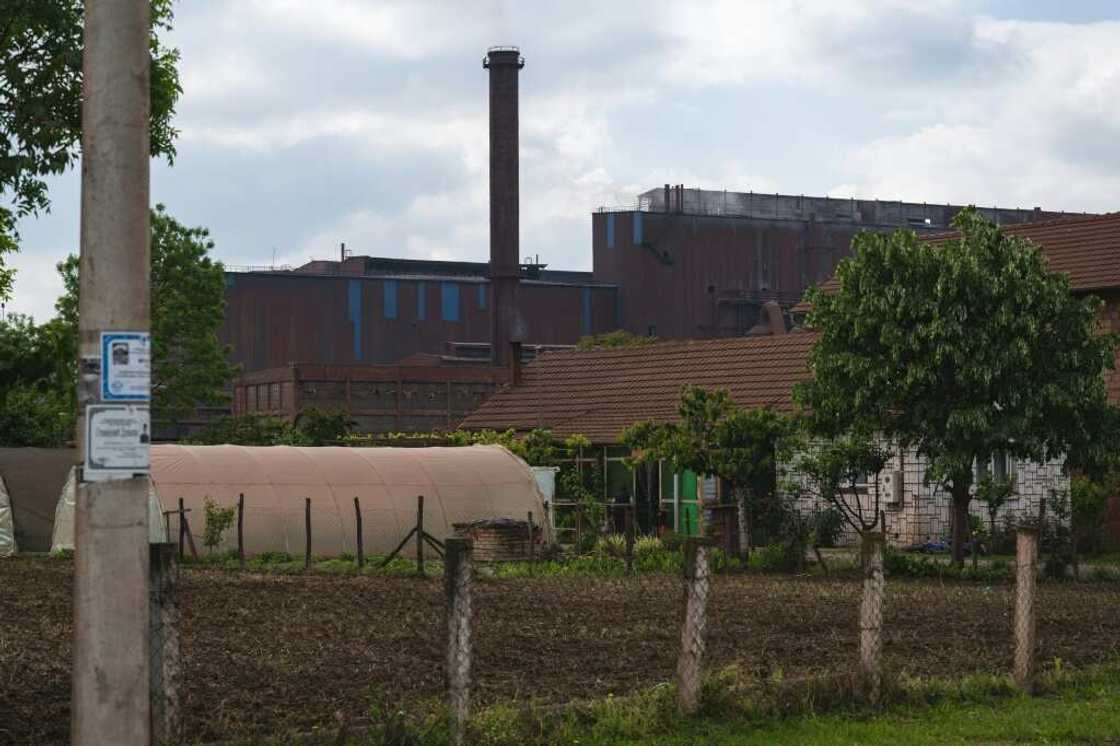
[(598, 393)]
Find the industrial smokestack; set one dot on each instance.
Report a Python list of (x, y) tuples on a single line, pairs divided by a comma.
[(505, 326)]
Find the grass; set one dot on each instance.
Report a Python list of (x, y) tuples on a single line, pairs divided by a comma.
[(1084, 716)]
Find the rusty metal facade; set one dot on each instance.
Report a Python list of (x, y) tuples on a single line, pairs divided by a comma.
[(274, 319)]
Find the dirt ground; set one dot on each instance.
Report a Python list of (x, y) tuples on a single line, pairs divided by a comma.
[(268, 653)]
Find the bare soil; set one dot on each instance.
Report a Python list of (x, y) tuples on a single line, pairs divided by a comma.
[(273, 653)]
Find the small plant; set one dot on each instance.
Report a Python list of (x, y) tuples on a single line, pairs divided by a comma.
[(611, 545), (218, 521), (826, 525), (647, 545)]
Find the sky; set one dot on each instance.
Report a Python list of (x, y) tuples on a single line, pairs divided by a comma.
[(306, 124)]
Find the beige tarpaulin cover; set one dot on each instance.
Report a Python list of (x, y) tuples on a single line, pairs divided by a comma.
[(62, 536), (7, 526), (458, 485)]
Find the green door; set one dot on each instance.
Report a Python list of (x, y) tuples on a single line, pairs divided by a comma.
[(690, 508)]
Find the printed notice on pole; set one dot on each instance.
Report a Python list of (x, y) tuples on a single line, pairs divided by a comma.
[(117, 441), (126, 366)]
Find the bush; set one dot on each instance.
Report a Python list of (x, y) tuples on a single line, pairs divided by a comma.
[(218, 521), (782, 556), (826, 526)]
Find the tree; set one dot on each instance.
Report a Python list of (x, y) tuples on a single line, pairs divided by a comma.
[(189, 365), (36, 408), (994, 493), (713, 436), (957, 350), (40, 103), (844, 472)]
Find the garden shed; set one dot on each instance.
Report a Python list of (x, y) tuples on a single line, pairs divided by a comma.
[(459, 485)]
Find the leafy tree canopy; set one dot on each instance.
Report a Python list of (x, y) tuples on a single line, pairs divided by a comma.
[(959, 349), (40, 103), (617, 338), (189, 365)]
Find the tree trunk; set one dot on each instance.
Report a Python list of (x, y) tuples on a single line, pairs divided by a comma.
[(960, 523), (744, 527)]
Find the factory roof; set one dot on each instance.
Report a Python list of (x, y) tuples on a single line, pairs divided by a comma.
[(1086, 248)]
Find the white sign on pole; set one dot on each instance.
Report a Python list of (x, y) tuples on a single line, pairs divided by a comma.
[(126, 366), (118, 440)]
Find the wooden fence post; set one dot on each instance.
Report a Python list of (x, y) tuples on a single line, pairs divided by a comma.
[(165, 682), (307, 533), (697, 585), (532, 549), (628, 524), (420, 535), (1026, 573), (241, 530), (871, 615), (457, 585), (358, 524), (182, 528)]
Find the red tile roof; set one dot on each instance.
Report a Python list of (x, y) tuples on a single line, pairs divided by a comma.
[(598, 393), (1087, 248)]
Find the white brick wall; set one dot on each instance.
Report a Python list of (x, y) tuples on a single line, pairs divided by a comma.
[(924, 511)]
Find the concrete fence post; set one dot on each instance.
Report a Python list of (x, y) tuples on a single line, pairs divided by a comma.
[(457, 585), (697, 585), (1026, 573), (871, 616), (166, 663)]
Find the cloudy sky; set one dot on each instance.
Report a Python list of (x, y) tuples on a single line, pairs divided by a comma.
[(304, 124)]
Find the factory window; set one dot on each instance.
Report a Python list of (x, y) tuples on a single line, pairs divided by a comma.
[(421, 301), (610, 230), (449, 300), (637, 229), (390, 299), (482, 297)]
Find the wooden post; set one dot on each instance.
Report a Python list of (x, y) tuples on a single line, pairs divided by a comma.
[(871, 615), (1026, 569), (358, 524), (307, 533), (241, 530), (697, 584), (628, 523), (165, 682), (457, 585), (182, 528), (532, 549), (419, 534)]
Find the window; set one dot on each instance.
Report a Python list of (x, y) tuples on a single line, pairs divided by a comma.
[(449, 300), (998, 466), (610, 230), (390, 288), (637, 229), (421, 301), (482, 297)]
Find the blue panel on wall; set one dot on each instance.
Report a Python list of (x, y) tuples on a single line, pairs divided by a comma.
[(482, 297), (390, 299), (421, 301), (585, 320), (637, 229), (354, 303), (449, 300), (610, 230)]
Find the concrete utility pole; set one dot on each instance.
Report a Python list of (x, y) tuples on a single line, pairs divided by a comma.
[(110, 686)]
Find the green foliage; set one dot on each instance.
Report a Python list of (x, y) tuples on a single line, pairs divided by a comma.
[(189, 364), (40, 103), (617, 338), (218, 521), (994, 493), (782, 556), (843, 472), (715, 437), (959, 349), (36, 406), (826, 525), (1057, 536), (323, 427), (250, 430), (1088, 505)]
